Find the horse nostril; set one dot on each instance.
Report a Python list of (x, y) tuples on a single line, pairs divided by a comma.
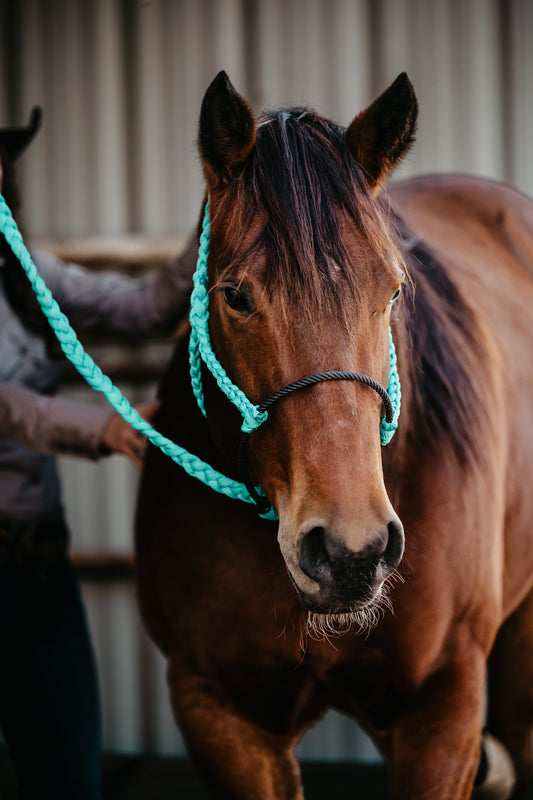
[(313, 555), (392, 555)]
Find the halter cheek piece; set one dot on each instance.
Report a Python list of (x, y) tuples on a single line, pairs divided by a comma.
[(253, 416)]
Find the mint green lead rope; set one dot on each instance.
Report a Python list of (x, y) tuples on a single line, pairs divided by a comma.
[(200, 349), (94, 376)]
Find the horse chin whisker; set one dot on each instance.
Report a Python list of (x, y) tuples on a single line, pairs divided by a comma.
[(362, 622), (394, 577), (325, 627)]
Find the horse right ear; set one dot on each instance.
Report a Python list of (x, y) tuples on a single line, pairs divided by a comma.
[(227, 131), (380, 136)]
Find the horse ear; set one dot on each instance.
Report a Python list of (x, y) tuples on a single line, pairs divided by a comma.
[(380, 136), (227, 130)]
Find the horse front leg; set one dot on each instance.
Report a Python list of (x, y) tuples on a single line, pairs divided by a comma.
[(237, 759), (510, 716), (433, 749)]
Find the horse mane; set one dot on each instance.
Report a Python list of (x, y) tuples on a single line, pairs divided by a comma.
[(445, 346)]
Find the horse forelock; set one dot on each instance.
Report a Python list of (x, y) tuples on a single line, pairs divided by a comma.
[(302, 182)]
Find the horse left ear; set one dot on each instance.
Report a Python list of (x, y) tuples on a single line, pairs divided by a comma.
[(380, 136), (227, 131)]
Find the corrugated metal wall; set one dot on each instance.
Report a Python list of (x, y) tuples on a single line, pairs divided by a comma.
[(121, 82)]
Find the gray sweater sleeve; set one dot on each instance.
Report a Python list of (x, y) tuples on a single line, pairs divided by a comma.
[(105, 302), (51, 425)]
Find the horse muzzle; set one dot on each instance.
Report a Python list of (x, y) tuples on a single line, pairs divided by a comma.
[(331, 578)]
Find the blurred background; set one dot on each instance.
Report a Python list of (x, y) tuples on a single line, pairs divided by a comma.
[(113, 179)]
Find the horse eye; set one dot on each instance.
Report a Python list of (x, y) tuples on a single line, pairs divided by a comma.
[(237, 300), (396, 295)]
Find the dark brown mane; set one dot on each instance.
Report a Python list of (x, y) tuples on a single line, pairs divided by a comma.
[(444, 340), (302, 175)]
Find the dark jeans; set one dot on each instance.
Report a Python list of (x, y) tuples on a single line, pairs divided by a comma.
[(49, 704)]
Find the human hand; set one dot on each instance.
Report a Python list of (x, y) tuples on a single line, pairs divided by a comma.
[(120, 437)]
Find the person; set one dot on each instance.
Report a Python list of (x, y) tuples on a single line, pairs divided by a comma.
[(49, 705)]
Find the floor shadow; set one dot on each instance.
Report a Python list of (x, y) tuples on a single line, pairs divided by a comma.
[(138, 778)]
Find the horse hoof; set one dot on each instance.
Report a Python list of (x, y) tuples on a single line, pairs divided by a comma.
[(500, 779)]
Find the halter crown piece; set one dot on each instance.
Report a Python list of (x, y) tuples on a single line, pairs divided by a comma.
[(200, 350)]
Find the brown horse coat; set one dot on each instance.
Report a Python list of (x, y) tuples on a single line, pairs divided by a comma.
[(245, 677)]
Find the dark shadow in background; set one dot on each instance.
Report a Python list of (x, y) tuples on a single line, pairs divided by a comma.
[(139, 778)]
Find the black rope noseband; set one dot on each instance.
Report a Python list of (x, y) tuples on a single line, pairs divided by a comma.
[(262, 503)]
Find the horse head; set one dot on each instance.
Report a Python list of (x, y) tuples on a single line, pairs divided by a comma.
[(303, 272)]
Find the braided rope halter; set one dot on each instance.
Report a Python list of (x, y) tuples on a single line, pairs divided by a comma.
[(256, 415), (199, 350)]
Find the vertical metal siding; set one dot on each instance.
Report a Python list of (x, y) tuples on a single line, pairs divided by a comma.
[(121, 83)]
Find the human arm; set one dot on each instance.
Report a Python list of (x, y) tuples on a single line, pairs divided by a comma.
[(105, 302), (57, 426)]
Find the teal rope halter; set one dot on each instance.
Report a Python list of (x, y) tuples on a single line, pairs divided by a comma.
[(200, 343), (394, 390), (200, 349)]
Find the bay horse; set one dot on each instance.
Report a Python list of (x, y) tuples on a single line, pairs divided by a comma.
[(397, 582)]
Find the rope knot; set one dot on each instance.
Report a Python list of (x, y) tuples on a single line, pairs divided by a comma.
[(253, 420)]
